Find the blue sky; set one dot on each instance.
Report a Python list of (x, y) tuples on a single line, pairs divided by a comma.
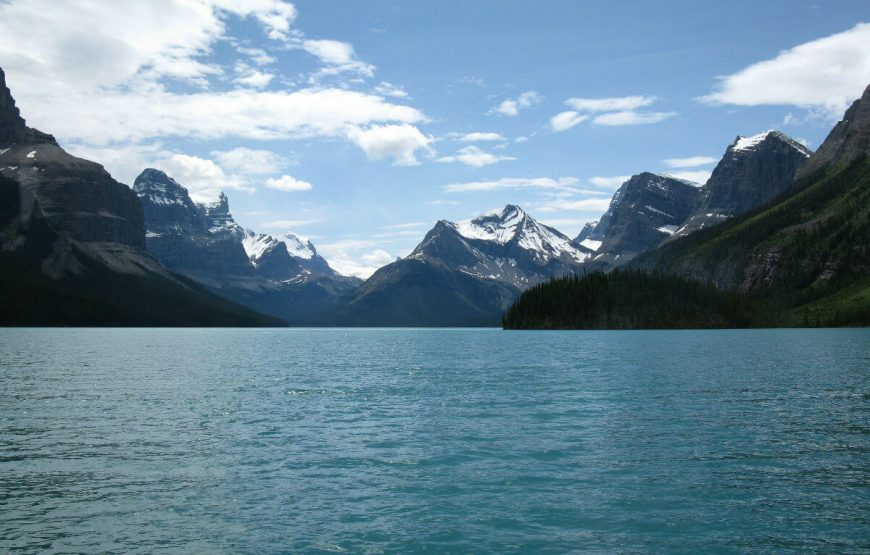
[(360, 124)]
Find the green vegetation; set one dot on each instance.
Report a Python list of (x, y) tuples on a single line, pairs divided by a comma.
[(627, 299), (802, 260)]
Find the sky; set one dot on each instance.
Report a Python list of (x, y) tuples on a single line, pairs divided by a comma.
[(360, 124)]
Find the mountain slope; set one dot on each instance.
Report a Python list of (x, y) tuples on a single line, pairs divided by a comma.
[(72, 244), (644, 211), (807, 252), (801, 260), (283, 276), (753, 171), (464, 273)]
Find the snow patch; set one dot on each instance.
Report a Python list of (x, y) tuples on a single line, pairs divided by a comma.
[(31, 154), (668, 229), (591, 244)]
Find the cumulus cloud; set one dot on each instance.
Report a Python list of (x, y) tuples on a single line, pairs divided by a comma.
[(401, 142), (473, 156), (632, 118), (512, 183), (201, 176), (356, 257), (566, 120), (250, 77), (512, 106), (825, 74), (690, 162), (478, 136), (614, 181), (250, 161), (287, 183), (96, 74)]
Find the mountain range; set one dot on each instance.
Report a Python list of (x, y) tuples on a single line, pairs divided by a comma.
[(78, 247), (802, 259), (72, 244)]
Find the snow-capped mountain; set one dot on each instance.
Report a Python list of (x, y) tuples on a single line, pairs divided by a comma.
[(644, 210), (506, 245), (466, 272), (280, 275), (285, 257), (753, 171)]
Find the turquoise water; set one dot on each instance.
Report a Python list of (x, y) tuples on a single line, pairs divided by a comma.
[(462, 441)]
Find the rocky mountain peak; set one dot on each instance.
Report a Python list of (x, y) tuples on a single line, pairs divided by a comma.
[(848, 140), (770, 137), (13, 128), (753, 171)]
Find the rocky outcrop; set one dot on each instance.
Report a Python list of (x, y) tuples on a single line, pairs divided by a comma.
[(753, 171), (77, 197), (72, 244), (849, 139), (644, 211), (279, 275)]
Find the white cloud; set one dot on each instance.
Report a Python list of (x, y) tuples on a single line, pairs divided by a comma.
[(250, 161), (614, 181), (579, 205), (632, 118), (441, 202), (285, 225), (621, 110), (250, 77), (244, 113), (690, 162), (257, 55), (512, 107), (700, 176), (616, 104), (566, 120), (104, 73), (389, 89), (400, 142), (338, 56), (287, 183), (827, 74), (202, 177), (478, 136), (512, 183), (355, 257), (522, 139), (473, 156)]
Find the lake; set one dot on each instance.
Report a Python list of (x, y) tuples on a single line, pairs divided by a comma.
[(438, 440)]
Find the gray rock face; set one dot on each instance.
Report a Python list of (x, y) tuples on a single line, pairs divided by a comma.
[(465, 273), (72, 244), (753, 171), (196, 241), (645, 210), (849, 139), (77, 197), (13, 129), (282, 275)]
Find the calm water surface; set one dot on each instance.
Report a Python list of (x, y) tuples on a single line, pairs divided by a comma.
[(463, 441)]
